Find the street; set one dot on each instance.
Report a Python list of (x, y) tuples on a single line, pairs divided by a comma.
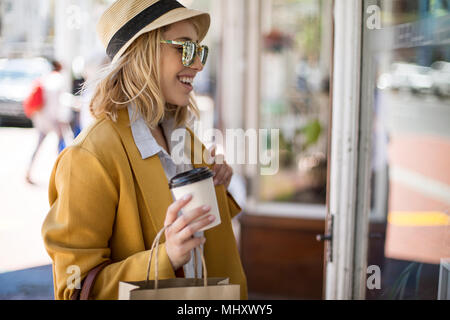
[(23, 206)]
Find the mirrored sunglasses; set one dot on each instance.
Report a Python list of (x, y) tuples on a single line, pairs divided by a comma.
[(190, 50)]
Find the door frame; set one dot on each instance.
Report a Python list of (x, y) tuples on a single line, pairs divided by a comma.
[(345, 272)]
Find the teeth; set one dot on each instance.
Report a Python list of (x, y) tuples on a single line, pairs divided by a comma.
[(186, 80)]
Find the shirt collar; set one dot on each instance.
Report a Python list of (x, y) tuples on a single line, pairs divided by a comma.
[(143, 138)]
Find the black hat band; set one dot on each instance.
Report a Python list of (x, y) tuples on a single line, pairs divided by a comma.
[(140, 21)]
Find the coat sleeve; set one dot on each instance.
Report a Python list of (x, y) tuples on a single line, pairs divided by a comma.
[(77, 230)]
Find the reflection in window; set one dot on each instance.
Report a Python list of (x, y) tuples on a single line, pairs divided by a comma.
[(410, 222), (295, 97)]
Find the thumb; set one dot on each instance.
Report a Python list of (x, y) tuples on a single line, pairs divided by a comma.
[(210, 154), (212, 150)]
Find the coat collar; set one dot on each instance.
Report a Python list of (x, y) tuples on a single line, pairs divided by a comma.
[(143, 137), (149, 171)]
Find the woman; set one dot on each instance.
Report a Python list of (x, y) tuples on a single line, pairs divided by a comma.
[(109, 193)]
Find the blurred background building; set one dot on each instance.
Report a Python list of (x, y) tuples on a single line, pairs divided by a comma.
[(360, 93)]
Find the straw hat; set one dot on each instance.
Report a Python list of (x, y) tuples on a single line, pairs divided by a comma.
[(125, 20)]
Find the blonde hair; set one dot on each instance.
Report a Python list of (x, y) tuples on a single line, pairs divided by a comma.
[(134, 78)]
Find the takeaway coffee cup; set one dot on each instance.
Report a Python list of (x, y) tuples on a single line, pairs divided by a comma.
[(199, 183)]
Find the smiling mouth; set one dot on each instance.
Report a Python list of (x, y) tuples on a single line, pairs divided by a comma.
[(186, 82)]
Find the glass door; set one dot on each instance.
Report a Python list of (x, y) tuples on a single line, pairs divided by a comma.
[(405, 99), (389, 191)]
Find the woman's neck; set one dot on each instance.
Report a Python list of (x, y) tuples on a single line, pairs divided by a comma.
[(158, 134)]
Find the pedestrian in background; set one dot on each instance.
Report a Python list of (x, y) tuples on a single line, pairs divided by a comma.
[(54, 116), (109, 193)]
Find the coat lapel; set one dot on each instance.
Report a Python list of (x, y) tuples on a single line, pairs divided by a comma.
[(192, 144), (220, 238), (153, 183), (149, 174)]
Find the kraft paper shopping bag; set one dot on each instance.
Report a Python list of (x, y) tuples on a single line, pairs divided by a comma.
[(178, 288)]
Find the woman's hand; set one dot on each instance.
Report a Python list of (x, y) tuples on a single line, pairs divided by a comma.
[(222, 171), (179, 235)]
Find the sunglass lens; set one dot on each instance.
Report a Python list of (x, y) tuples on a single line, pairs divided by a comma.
[(188, 53), (204, 54)]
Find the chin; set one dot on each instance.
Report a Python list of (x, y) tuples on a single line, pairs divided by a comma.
[(180, 102)]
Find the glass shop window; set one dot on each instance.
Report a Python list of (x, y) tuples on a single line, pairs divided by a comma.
[(294, 97)]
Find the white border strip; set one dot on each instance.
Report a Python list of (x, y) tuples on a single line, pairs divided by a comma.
[(287, 210), (344, 145)]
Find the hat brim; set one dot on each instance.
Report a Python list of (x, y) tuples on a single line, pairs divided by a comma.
[(173, 16)]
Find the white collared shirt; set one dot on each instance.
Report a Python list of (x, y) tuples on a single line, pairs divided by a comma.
[(148, 147)]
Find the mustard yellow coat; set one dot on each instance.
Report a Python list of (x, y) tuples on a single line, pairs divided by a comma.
[(107, 203)]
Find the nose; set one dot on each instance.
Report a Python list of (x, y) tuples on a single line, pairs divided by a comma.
[(197, 65)]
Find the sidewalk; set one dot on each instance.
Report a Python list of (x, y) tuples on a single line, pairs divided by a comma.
[(27, 284), (23, 206)]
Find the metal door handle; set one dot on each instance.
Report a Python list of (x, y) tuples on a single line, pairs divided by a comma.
[(328, 237), (324, 237)]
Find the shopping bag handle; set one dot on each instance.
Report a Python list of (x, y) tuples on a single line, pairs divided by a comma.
[(155, 247)]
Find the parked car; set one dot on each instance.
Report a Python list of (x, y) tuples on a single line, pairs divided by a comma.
[(16, 78), (407, 76), (420, 79), (440, 71)]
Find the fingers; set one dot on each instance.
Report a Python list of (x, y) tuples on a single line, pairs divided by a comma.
[(188, 231), (186, 248), (193, 243), (174, 208), (179, 255), (179, 240), (223, 174), (186, 218), (220, 171)]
